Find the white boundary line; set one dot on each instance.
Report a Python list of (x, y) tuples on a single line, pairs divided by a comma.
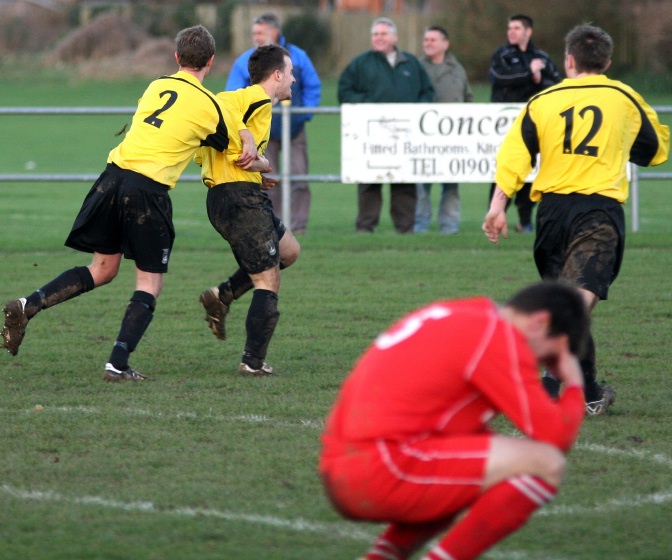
[(340, 529)]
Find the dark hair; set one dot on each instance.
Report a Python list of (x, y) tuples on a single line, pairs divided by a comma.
[(564, 302), (440, 28), (522, 18), (590, 46), (269, 19), (265, 60), (194, 46)]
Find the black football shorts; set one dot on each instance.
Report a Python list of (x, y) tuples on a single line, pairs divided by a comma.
[(126, 212), (243, 215), (580, 238)]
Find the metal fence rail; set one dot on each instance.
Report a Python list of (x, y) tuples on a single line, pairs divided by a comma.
[(285, 177)]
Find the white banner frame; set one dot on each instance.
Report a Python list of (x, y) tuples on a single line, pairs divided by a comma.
[(423, 142)]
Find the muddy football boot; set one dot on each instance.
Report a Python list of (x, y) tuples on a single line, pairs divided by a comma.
[(114, 375), (15, 325), (247, 371), (601, 406), (215, 312)]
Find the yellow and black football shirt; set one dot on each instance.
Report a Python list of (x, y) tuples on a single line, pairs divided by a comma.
[(252, 106), (175, 116), (585, 130)]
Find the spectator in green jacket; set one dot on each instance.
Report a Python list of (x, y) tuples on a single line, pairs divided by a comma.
[(385, 74)]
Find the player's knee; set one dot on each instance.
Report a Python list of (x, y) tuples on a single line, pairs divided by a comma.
[(103, 274), (554, 466), (289, 251)]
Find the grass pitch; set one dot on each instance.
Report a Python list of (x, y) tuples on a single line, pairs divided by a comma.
[(203, 464)]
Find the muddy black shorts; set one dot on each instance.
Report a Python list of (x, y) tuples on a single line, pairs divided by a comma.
[(243, 215), (580, 238), (126, 212)]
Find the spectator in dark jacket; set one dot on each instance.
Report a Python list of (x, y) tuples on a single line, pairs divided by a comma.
[(519, 70), (385, 74)]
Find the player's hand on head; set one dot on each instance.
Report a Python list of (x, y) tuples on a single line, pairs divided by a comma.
[(565, 367)]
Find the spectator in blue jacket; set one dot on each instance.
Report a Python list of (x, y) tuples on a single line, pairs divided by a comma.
[(385, 74), (306, 92)]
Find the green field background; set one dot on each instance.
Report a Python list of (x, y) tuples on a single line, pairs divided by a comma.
[(202, 464)]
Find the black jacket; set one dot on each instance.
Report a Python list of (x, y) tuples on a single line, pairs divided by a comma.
[(511, 77)]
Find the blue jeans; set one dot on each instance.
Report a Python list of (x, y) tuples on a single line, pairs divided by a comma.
[(449, 208)]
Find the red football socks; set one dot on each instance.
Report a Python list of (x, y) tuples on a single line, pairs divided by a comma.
[(500, 511), (400, 540)]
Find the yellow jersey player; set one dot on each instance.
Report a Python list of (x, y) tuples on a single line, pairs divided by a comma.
[(241, 211), (128, 211), (585, 130)]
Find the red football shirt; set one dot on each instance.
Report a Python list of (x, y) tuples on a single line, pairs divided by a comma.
[(449, 368)]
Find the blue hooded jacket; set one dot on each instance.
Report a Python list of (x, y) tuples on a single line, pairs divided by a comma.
[(306, 91)]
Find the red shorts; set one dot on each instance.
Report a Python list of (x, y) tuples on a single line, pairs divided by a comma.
[(415, 481)]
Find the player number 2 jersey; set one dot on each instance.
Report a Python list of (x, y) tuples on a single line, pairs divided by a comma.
[(175, 116)]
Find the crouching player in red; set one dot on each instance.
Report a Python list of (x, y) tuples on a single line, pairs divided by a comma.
[(408, 442)]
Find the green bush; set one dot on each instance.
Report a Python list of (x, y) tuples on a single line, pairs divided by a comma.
[(222, 34), (165, 20), (312, 34)]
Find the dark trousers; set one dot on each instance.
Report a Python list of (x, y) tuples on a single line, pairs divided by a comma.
[(403, 199)]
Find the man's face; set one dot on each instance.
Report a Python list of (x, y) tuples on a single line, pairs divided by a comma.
[(434, 44), (284, 90), (518, 34), (264, 34), (383, 39)]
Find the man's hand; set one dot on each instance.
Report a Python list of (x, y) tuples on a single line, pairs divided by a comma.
[(249, 153), (495, 219), (565, 367), (258, 165), (267, 183), (536, 66)]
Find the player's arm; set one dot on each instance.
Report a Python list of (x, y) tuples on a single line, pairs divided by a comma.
[(241, 139), (248, 149), (198, 157), (259, 165), (495, 220), (509, 376), (652, 144)]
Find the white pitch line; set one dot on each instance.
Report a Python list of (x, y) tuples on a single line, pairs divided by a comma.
[(657, 498), (343, 530), (300, 525), (636, 454), (631, 453), (249, 418)]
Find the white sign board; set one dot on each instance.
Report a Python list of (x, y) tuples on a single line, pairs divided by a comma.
[(423, 142)]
